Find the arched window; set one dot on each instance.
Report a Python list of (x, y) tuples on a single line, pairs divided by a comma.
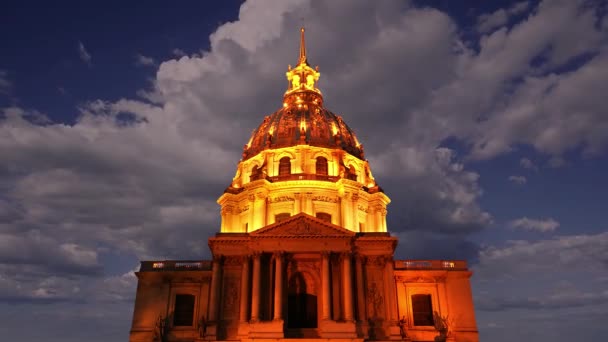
[(183, 313), (422, 307), (351, 173), (324, 217), (256, 173), (321, 166), (284, 166), (281, 217)]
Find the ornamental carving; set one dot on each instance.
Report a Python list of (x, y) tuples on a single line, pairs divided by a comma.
[(278, 199), (233, 261), (375, 301), (320, 198), (231, 297), (363, 208), (242, 209), (303, 228), (377, 260)]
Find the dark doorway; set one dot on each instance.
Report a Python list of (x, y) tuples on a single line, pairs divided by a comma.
[(301, 305)]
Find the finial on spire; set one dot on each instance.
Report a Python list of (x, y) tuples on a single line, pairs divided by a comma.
[(302, 59)]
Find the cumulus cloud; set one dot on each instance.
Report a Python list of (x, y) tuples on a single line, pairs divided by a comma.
[(141, 60), (519, 180), (178, 52), (530, 97), (562, 273), (85, 56), (539, 225), (528, 164), (489, 22)]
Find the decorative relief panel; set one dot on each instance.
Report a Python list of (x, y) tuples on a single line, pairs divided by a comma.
[(279, 199), (231, 298), (375, 301), (325, 199)]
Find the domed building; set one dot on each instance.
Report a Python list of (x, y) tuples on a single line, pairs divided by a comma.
[(303, 250)]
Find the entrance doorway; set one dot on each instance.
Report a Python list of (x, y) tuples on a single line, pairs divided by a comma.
[(301, 304)]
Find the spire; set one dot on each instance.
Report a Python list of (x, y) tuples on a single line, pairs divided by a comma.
[(302, 78), (302, 59)]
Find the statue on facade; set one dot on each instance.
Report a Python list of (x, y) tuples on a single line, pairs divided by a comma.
[(442, 325), (402, 325), (202, 327), (162, 327)]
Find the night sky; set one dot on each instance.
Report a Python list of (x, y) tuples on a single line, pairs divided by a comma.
[(485, 122)]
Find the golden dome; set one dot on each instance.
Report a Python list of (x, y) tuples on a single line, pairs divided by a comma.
[(303, 120)]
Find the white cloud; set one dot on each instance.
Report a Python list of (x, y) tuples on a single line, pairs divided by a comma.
[(518, 179), (539, 225), (85, 56), (141, 60)]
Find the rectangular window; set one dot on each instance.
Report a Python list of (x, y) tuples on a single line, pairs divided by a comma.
[(422, 307), (183, 313), (281, 217), (324, 217)]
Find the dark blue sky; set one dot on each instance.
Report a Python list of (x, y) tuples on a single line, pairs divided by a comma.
[(484, 121)]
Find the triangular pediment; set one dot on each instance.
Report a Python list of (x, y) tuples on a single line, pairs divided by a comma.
[(302, 225)]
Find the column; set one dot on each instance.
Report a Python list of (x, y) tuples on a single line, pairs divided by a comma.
[(251, 201), (215, 289), (244, 289), (355, 212), (308, 203), (325, 286), (298, 203), (348, 287), (278, 286), (360, 294), (255, 288), (391, 297)]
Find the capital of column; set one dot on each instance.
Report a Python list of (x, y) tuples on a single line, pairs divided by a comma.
[(345, 256), (278, 255)]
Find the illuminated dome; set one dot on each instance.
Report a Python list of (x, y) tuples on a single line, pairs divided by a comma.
[(307, 123), (303, 119), (303, 159)]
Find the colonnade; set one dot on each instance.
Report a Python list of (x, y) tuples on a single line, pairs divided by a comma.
[(252, 305)]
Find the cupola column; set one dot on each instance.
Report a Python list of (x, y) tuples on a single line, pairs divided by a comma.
[(278, 286), (348, 287), (255, 288), (325, 286)]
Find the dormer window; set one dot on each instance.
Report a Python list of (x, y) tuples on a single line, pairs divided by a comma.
[(351, 173), (256, 173), (284, 166), (321, 166)]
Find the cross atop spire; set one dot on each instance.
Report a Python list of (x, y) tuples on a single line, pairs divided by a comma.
[(302, 59)]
